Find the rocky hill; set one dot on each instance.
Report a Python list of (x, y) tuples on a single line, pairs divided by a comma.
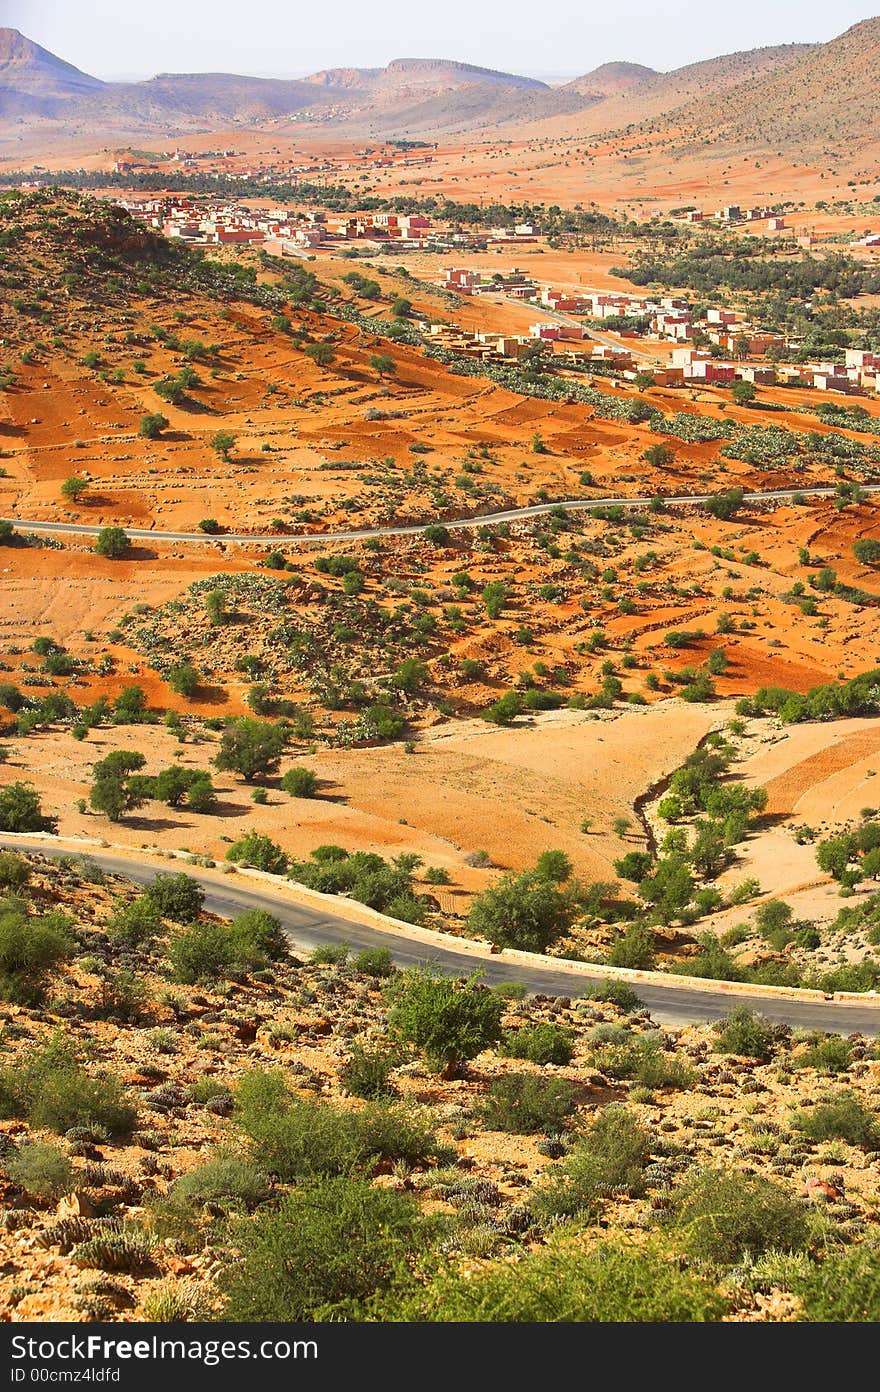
[(823, 101)]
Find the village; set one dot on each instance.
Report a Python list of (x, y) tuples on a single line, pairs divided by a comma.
[(597, 330)]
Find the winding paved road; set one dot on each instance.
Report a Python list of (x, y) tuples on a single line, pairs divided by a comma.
[(229, 895), (488, 519)]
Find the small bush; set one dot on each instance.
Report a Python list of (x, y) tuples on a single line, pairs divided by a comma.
[(134, 923), (524, 1103), (328, 1248), (844, 1118), (746, 1034), (722, 1216), (842, 1289), (331, 954), (613, 992), (294, 1137), (374, 961), (41, 1169), (127, 1249), (213, 951), (540, 1043), (563, 1283), (300, 782), (609, 1158), (175, 1302), (832, 1054), (450, 1021), (177, 897), (227, 1180), (367, 1072), (49, 1088), (258, 851), (31, 948), (14, 871)]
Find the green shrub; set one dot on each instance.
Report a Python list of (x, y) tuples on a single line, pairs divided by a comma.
[(374, 961), (300, 782), (618, 993), (832, 1054), (526, 1102), (331, 954), (14, 871), (744, 1033), (49, 1087), (843, 1118), (257, 935), (212, 951), (367, 1072), (295, 1137), (389, 1131), (449, 1021), (635, 948), (20, 809), (258, 851), (527, 911), (175, 1302), (135, 922), (328, 1247), (610, 1157), (842, 1289), (722, 1216), (125, 1249), (540, 1043), (40, 1168), (563, 1283), (177, 897), (226, 1180), (31, 948)]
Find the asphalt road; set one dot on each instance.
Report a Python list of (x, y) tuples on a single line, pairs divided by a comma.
[(307, 928), (488, 519)]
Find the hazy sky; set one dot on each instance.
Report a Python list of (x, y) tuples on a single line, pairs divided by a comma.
[(285, 38)]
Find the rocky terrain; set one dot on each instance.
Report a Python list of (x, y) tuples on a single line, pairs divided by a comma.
[(130, 1201)]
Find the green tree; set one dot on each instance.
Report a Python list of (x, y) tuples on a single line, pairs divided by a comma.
[(743, 393), (20, 809), (222, 443), (74, 487), (215, 607), (726, 505), (382, 365), (526, 911), (259, 851), (658, 456), (113, 543), (112, 791), (449, 1021), (834, 854), (321, 354), (251, 748), (867, 551), (183, 678), (152, 425)]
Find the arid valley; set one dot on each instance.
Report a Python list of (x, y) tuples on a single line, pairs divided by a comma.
[(439, 525)]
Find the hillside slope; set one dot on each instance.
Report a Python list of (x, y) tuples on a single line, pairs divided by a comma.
[(825, 100)]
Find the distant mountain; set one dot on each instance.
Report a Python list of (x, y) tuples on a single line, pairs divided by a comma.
[(795, 97), (656, 94), (33, 81), (609, 79), (825, 101)]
